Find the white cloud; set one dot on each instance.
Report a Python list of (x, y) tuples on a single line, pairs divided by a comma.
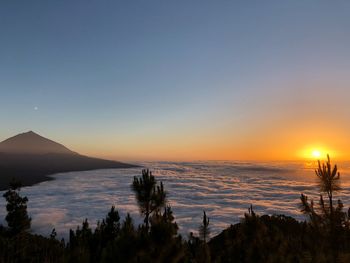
[(224, 191)]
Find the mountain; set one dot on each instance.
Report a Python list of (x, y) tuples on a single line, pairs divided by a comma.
[(31, 158), (32, 143)]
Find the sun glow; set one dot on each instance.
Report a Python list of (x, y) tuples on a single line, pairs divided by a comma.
[(316, 154)]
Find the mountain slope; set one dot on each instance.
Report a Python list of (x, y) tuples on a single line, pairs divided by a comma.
[(32, 143), (30, 158)]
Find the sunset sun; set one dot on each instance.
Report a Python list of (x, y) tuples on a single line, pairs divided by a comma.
[(316, 154)]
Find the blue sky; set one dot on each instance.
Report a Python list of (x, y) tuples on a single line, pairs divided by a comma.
[(174, 79)]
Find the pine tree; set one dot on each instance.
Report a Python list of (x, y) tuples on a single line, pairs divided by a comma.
[(17, 217), (329, 183), (112, 223), (327, 220), (163, 227), (149, 195), (128, 228), (204, 230)]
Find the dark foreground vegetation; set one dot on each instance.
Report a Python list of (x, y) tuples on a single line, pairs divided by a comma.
[(324, 237)]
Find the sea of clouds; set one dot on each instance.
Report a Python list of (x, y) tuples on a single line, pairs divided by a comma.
[(225, 190)]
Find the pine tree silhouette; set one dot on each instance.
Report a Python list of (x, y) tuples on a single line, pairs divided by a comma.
[(150, 196), (112, 223), (204, 230), (163, 227), (128, 227), (329, 183), (17, 217)]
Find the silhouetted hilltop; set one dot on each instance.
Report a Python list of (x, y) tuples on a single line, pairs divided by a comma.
[(30, 158), (32, 143)]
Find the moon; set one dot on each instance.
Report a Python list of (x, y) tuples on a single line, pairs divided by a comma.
[(36, 108)]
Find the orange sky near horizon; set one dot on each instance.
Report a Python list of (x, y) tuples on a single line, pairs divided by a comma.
[(268, 146), (274, 140), (291, 134)]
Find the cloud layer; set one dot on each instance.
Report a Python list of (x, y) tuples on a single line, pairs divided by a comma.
[(223, 189)]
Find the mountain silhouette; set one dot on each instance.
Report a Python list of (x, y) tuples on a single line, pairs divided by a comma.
[(32, 143), (31, 158)]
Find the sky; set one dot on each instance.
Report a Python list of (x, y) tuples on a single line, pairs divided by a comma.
[(178, 80)]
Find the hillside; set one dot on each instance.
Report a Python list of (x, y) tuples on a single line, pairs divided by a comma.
[(30, 158), (32, 143)]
